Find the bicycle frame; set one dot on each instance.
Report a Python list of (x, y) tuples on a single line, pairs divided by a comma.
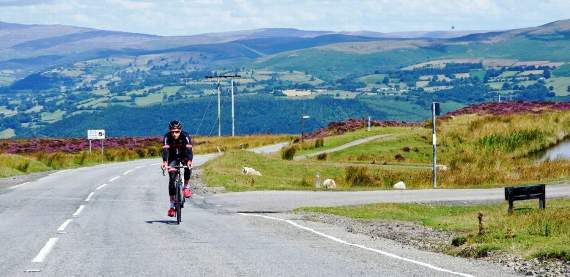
[(180, 200)]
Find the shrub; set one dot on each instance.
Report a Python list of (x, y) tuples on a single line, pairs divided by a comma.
[(320, 142), (511, 141), (458, 241), (287, 153), (399, 157), (357, 176), (322, 156)]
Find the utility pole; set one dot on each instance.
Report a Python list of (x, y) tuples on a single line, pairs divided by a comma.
[(218, 79), (233, 111), (219, 111), (435, 111)]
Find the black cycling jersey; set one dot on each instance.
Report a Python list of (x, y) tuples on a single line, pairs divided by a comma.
[(177, 149)]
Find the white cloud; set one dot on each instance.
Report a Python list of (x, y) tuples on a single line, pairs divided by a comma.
[(180, 17)]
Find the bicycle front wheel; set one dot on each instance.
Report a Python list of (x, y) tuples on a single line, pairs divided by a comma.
[(178, 205)]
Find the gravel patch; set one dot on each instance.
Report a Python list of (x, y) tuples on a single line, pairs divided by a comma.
[(199, 186), (425, 238)]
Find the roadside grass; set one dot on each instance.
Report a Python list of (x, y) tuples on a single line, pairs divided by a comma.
[(11, 165), (277, 174), (308, 146), (211, 144), (528, 232), (281, 174), (491, 150), (476, 151), (406, 145), (16, 164)]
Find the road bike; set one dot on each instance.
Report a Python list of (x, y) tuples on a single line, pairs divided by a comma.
[(179, 198)]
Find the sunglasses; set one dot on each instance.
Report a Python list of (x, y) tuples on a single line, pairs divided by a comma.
[(175, 132)]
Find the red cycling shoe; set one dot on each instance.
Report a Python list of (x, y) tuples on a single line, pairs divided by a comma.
[(171, 212), (187, 192)]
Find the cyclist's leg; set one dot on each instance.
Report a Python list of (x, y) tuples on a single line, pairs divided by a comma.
[(171, 180), (187, 173), (187, 190)]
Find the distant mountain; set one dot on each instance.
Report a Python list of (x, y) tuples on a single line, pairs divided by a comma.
[(415, 34), (29, 48), (53, 74)]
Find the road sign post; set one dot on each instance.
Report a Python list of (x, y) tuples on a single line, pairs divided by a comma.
[(96, 134), (435, 111), (303, 117)]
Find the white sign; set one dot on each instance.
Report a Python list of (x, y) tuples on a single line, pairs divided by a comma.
[(95, 134)]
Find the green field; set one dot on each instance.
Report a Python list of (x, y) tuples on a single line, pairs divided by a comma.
[(53, 116), (478, 74), (410, 145), (562, 71), (508, 74), (529, 232), (7, 133), (560, 85), (373, 78), (334, 141)]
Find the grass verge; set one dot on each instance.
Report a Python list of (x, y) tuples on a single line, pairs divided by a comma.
[(12, 164), (528, 232)]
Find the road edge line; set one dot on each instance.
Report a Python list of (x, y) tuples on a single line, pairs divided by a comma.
[(388, 254)]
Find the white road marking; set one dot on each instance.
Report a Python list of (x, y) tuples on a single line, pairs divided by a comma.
[(81, 207), (64, 225), (128, 171), (114, 178), (101, 186), (33, 270), (156, 164), (362, 246), (89, 196), (45, 251), (59, 172), (19, 185), (140, 166)]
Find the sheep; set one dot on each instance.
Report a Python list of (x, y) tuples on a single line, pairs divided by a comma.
[(329, 184), (250, 171)]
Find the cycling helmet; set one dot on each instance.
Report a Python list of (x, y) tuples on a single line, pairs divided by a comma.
[(175, 124)]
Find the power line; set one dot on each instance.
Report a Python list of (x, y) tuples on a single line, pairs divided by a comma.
[(218, 79)]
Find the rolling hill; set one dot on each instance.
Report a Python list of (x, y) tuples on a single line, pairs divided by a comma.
[(53, 75)]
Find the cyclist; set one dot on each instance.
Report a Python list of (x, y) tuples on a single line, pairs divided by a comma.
[(177, 148)]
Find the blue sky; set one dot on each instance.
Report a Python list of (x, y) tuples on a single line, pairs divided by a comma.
[(180, 17)]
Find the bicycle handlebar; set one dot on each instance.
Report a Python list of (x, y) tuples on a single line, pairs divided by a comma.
[(181, 166), (177, 167)]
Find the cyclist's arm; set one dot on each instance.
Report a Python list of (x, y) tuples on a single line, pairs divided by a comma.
[(165, 148), (189, 152)]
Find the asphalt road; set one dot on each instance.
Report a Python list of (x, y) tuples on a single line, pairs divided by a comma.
[(110, 220)]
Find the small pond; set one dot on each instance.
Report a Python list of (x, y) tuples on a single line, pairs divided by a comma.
[(559, 152)]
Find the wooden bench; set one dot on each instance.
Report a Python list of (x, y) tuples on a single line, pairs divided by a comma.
[(513, 194)]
